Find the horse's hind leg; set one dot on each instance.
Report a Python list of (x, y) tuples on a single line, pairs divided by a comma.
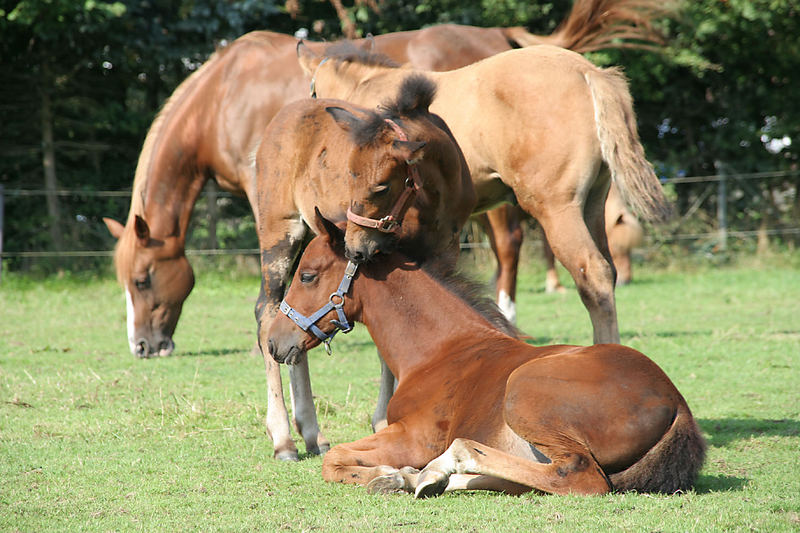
[(574, 471), (577, 250)]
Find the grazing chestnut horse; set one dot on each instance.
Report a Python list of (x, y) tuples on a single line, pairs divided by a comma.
[(212, 123), (476, 408), (397, 174), (541, 125)]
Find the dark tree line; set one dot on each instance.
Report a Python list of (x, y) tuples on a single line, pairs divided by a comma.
[(82, 80)]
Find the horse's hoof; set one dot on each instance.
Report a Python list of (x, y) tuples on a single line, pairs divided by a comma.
[(386, 484), (287, 455), (322, 449), (430, 484)]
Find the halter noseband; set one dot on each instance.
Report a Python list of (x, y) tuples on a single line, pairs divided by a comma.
[(335, 301), (391, 222)]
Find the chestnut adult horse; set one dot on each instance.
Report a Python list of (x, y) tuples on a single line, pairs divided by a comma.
[(398, 171), (541, 125), (476, 408)]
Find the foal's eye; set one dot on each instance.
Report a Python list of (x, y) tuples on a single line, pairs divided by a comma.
[(307, 277), (381, 188)]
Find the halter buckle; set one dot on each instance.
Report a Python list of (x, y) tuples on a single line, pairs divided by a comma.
[(387, 224)]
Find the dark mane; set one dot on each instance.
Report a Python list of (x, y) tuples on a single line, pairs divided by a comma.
[(474, 295), (346, 51), (414, 97)]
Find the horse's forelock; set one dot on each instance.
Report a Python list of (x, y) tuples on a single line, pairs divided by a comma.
[(415, 96), (368, 130)]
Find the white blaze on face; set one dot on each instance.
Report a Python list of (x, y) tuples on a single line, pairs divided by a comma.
[(507, 306), (130, 315)]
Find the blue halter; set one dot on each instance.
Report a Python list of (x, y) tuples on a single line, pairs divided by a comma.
[(335, 301)]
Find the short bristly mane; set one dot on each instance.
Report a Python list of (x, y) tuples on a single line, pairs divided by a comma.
[(473, 294), (346, 51), (414, 97)]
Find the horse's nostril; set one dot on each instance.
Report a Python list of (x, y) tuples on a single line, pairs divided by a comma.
[(142, 348), (271, 347)]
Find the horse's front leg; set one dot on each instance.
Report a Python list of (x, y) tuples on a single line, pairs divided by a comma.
[(386, 461), (505, 236), (387, 386), (277, 258), (303, 408)]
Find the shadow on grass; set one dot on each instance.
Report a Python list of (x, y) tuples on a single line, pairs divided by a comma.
[(718, 483), (214, 353), (721, 432)]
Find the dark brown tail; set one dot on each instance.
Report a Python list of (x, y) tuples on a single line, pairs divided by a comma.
[(672, 464), (600, 24)]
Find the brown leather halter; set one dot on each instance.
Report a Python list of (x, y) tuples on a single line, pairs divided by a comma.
[(391, 222)]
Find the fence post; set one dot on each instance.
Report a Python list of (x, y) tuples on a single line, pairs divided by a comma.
[(722, 206), (2, 218)]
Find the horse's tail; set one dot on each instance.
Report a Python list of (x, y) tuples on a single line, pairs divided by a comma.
[(619, 142), (672, 464), (601, 24)]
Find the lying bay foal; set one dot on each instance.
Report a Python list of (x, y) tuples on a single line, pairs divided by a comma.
[(476, 408)]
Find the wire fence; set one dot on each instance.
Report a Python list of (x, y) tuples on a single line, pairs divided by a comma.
[(715, 209)]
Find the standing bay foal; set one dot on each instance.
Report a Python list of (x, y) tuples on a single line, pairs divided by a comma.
[(398, 166), (476, 408)]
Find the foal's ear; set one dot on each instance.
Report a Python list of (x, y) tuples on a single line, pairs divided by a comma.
[(344, 118), (326, 227), (411, 151), (307, 58)]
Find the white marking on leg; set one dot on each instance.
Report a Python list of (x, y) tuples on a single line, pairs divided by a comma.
[(507, 306)]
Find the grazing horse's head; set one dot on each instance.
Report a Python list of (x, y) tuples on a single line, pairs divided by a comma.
[(157, 278), (313, 301), (387, 168)]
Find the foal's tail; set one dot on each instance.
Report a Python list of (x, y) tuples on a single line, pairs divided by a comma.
[(620, 145), (672, 464)]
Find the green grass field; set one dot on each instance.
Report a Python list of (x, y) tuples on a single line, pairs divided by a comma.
[(92, 439)]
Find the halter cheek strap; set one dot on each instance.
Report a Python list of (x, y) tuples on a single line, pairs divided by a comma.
[(335, 302), (313, 88), (391, 222)]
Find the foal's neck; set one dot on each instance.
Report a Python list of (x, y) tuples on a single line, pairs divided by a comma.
[(416, 321)]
